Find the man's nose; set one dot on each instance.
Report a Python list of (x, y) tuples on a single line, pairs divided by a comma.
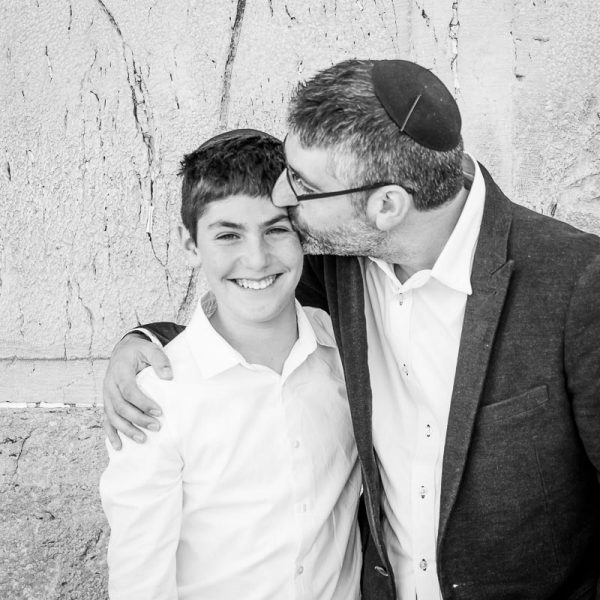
[(282, 194)]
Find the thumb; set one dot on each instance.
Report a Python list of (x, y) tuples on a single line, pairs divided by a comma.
[(158, 360)]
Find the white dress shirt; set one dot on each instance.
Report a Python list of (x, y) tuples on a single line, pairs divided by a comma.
[(413, 331), (250, 489)]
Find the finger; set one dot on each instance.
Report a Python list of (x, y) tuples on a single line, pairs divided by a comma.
[(112, 435), (113, 402), (126, 428), (111, 397), (158, 360), (131, 413), (131, 397)]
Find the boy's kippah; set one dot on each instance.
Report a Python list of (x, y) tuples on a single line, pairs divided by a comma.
[(418, 102), (237, 134)]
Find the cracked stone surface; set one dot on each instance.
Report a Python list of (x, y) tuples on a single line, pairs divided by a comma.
[(106, 95), (53, 533)]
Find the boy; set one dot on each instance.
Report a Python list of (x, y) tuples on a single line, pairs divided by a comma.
[(250, 489)]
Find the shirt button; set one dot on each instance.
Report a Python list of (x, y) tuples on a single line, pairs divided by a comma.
[(428, 430), (404, 369), (300, 570), (422, 491), (296, 443), (423, 565), (400, 299)]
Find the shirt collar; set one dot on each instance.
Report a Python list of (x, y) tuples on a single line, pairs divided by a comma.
[(214, 355), (453, 266)]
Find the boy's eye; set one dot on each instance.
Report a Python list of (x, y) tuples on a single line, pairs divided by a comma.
[(280, 229), (227, 236)]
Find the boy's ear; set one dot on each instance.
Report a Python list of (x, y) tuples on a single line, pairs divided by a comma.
[(190, 247), (388, 206)]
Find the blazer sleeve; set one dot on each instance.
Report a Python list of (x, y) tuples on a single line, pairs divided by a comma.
[(582, 358), (141, 492), (161, 333)]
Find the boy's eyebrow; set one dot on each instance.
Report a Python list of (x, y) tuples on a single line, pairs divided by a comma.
[(228, 224), (240, 226), (276, 220)]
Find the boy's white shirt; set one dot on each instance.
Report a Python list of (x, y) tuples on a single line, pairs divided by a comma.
[(250, 490)]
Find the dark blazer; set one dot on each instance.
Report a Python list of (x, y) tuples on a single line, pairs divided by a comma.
[(520, 498)]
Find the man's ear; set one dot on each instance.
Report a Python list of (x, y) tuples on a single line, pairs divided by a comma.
[(388, 206), (189, 245)]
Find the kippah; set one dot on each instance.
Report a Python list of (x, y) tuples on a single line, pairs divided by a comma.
[(237, 134), (418, 102)]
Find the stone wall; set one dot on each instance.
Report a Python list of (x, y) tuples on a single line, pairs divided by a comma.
[(100, 99)]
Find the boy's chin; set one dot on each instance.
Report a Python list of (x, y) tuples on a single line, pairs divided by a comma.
[(266, 316), (262, 309)]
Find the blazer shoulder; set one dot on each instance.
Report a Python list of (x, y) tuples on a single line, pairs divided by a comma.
[(549, 239), (533, 235)]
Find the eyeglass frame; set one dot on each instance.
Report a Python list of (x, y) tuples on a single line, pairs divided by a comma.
[(319, 195)]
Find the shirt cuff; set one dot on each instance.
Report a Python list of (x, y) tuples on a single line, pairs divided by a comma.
[(148, 334)]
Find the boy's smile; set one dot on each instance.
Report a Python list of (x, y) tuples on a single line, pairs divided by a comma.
[(251, 257), (254, 284)]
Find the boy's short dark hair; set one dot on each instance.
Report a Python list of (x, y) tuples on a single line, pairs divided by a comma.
[(243, 161), (337, 109)]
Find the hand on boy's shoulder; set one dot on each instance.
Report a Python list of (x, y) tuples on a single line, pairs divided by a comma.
[(182, 361), (147, 378), (151, 385), (177, 352)]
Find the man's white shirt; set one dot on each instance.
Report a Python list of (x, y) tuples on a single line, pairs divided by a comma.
[(413, 332), (250, 490)]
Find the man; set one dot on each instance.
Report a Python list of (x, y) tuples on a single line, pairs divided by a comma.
[(469, 331)]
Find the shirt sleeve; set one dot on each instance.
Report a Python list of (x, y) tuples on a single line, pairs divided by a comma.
[(148, 333), (141, 492)]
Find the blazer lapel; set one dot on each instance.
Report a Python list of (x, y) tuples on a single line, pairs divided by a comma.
[(489, 279), (345, 292)]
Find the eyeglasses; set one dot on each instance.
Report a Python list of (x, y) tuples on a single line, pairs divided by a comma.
[(300, 197)]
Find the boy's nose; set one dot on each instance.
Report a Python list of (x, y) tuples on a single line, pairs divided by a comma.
[(282, 194), (257, 255)]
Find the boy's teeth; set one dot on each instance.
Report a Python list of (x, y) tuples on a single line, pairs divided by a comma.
[(255, 284)]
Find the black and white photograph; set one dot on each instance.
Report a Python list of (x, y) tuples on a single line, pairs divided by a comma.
[(299, 300)]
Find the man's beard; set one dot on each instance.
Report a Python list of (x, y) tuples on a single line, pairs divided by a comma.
[(357, 238)]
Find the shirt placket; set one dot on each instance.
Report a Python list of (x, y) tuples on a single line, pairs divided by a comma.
[(302, 481), (423, 506), (425, 452), (427, 444), (399, 305)]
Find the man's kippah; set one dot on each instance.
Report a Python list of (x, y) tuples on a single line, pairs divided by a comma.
[(237, 134), (418, 102)]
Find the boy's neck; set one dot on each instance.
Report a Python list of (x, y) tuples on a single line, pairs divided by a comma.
[(263, 343)]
